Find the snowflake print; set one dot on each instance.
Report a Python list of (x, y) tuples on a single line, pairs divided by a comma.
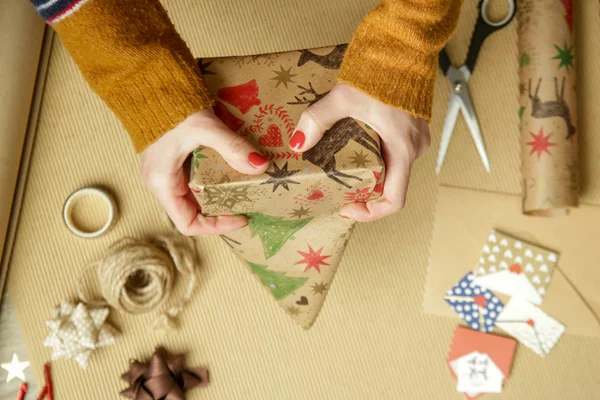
[(258, 59), (360, 196), (227, 197)]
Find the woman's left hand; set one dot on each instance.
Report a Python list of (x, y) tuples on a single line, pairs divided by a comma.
[(403, 136)]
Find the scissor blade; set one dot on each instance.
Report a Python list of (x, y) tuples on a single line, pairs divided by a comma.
[(468, 112), (449, 122)]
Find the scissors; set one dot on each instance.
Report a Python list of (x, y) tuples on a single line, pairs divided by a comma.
[(460, 99)]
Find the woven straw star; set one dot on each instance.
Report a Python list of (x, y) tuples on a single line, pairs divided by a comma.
[(76, 331)]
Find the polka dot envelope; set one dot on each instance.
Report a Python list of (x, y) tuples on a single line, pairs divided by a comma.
[(477, 306)]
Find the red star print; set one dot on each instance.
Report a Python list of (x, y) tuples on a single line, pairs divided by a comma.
[(313, 259), (540, 143)]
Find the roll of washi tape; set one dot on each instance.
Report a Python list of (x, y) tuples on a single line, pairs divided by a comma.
[(89, 191)]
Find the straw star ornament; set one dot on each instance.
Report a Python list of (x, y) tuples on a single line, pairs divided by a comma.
[(76, 331)]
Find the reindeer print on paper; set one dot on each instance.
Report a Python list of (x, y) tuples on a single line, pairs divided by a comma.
[(332, 60), (334, 140), (547, 50), (552, 108)]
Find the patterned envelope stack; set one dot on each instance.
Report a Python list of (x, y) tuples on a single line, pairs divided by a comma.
[(480, 361), (295, 237), (516, 268)]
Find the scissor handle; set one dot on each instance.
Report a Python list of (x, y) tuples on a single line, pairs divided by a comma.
[(444, 61), (485, 27)]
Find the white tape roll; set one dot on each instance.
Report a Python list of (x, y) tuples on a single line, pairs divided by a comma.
[(89, 191)]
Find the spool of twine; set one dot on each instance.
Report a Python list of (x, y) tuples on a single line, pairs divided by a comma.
[(137, 276)]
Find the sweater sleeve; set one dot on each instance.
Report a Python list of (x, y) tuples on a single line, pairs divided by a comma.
[(393, 56), (131, 55)]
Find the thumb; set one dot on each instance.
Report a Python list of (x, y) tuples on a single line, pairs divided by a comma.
[(317, 119), (207, 130), (236, 150)]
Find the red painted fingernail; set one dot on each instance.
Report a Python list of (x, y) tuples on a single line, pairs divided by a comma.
[(343, 216), (257, 159), (297, 140)]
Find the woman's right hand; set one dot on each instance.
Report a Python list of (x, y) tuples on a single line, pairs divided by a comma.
[(161, 168)]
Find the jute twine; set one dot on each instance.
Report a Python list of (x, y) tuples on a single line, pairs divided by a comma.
[(137, 276)]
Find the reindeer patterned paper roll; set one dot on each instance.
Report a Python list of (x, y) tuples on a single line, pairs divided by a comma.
[(548, 107), (295, 236)]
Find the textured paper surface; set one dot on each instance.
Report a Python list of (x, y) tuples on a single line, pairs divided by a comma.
[(549, 133), (221, 28), (373, 326), (515, 267), (530, 326), (572, 295), (21, 35), (295, 237)]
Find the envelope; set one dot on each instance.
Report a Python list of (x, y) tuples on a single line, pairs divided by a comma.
[(477, 306), (515, 267), (530, 326), (463, 221), (499, 349)]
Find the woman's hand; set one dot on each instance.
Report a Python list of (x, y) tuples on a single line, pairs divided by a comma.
[(404, 138), (162, 170)]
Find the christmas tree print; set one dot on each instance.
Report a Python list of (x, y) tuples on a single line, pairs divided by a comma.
[(279, 283), (198, 155), (274, 232)]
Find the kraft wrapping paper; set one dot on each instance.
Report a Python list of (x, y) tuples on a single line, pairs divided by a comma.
[(295, 237), (549, 133), (21, 36), (372, 339)]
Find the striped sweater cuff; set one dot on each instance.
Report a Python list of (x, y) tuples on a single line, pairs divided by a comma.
[(56, 10)]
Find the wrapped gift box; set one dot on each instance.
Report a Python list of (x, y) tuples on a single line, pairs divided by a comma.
[(295, 237)]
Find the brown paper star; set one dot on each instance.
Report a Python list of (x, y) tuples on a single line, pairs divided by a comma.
[(360, 160), (293, 310), (164, 377), (283, 76), (320, 288), (299, 213), (280, 177)]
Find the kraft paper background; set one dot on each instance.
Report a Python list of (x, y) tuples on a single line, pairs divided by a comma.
[(372, 339), (21, 37)]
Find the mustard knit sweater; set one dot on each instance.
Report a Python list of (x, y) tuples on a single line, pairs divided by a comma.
[(134, 59)]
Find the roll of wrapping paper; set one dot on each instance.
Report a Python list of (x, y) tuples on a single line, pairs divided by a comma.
[(21, 38), (548, 107)]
